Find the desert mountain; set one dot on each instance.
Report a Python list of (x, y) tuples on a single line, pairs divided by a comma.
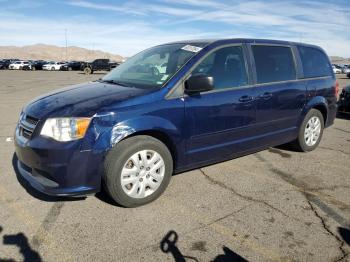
[(340, 60), (56, 53)]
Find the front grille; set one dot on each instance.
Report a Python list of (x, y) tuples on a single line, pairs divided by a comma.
[(32, 120), (27, 126)]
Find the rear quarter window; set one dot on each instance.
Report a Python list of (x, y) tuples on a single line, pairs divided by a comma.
[(273, 63), (315, 62)]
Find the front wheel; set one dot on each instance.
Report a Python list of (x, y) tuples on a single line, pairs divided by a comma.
[(87, 71), (310, 132), (137, 171)]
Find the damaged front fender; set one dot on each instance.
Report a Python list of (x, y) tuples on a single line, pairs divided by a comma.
[(107, 130)]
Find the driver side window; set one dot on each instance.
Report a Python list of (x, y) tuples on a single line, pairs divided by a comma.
[(226, 66)]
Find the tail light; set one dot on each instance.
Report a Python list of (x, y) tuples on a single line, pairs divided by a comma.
[(336, 90)]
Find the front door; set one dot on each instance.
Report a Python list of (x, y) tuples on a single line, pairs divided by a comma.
[(220, 121)]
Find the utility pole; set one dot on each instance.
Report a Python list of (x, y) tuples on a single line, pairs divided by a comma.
[(65, 34)]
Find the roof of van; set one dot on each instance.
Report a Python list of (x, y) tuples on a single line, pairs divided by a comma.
[(204, 42)]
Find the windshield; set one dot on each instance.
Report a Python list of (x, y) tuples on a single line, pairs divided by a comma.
[(153, 67)]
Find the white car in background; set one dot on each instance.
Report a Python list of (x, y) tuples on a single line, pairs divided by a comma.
[(53, 66), (18, 65), (346, 69), (336, 70)]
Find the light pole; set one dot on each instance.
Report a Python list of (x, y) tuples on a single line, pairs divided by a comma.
[(65, 34)]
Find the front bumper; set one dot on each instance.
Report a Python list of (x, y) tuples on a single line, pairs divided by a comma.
[(56, 168)]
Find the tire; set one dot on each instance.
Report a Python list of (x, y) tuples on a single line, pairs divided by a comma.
[(87, 71), (33, 68), (70, 69), (20, 68), (52, 68), (300, 143), (118, 160)]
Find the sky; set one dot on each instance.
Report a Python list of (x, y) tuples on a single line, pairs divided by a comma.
[(127, 27)]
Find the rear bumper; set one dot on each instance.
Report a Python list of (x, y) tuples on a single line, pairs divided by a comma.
[(332, 113), (58, 169)]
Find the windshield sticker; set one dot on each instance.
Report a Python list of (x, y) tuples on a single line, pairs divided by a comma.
[(164, 77), (191, 48)]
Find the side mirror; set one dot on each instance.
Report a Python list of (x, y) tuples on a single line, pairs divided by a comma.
[(199, 83)]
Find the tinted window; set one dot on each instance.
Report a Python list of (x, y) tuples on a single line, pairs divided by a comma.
[(226, 66), (315, 62), (273, 63)]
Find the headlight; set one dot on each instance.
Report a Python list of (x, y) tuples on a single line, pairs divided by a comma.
[(65, 129)]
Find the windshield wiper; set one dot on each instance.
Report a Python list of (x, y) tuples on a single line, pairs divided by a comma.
[(112, 82)]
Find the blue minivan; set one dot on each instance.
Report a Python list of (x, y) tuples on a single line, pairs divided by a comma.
[(171, 108)]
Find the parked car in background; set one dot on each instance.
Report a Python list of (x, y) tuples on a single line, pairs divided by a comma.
[(344, 100), (72, 66), (135, 127), (18, 65), (38, 64), (336, 69), (52, 66), (27, 66), (4, 64), (346, 69), (98, 65)]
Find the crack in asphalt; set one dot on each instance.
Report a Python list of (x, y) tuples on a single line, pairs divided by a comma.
[(226, 216), (343, 130), (328, 188), (303, 188), (335, 150), (248, 198), (344, 254), (47, 224)]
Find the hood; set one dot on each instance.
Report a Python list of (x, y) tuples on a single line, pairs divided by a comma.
[(82, 100)]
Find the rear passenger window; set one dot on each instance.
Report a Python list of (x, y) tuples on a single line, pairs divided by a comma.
[(273, 63), (315, 62), (226, 66)]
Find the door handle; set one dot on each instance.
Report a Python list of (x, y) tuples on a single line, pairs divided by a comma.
[(266, 95), (244, 99)]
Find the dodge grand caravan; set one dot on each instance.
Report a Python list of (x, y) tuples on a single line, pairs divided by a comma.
[(172, 108)]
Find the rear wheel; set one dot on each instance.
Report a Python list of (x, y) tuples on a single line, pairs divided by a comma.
[(137, 171), (310, 132)]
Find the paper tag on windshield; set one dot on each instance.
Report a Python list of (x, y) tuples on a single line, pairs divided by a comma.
[(164, 77), (191, 48)]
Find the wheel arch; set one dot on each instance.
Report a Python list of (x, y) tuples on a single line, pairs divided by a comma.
[(324, 111), (319, 103), (156, 127), (162, 137)]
